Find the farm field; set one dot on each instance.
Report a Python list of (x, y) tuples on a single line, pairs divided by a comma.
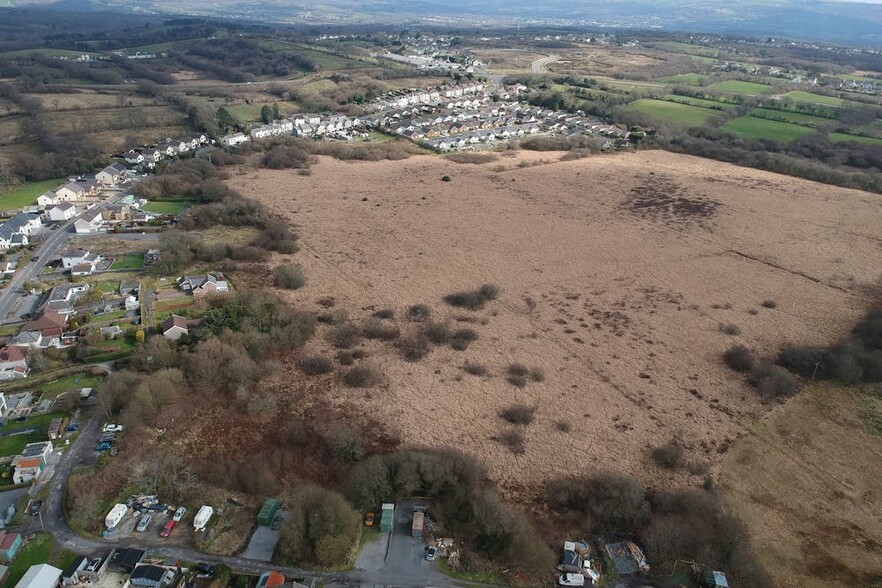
[(615, 273), (674, 112), (703, 102), (814, 98), (806, 484), (27, 194), (690, 79), (840, 137), (751, 127), (793, 117), (167, 206), (740, 87)]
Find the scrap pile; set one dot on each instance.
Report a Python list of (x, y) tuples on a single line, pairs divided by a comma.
[(147, 503)]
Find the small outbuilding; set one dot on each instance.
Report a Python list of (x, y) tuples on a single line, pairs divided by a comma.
[(40, 576), (268, 512)]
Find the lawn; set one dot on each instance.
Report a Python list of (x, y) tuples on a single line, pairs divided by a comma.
[(690, 79), (740, 87), (751, 127), (793, 117), (40, 549), (169, 206), (814, 98), (843, 137), (72, 382), (128, 262), (26, 194), (13, 444), (681, 114)]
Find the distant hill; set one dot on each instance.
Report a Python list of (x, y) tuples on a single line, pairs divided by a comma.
[(823, 20)]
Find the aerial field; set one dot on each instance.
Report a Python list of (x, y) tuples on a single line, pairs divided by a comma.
[(690, 79), (751, 127), (674, 112), (740, 87), (815, 98), (793, 117), (27, 194), (615, 272), (841, 137)]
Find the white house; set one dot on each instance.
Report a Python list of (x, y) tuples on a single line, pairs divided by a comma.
[(74, 257), (47, 199), (90, 222), (133, 157), (62, 212), (111, 174), (13, 363), (40, 576), (70, 191), (234, 139)]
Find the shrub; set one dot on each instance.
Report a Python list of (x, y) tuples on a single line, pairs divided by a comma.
[(385, 313), (289, 277), (445, 178), (802, 360), (769, 304), (346, 358), (471, 157), (669, 455), (869, 330), (516, 380), (346, 444), (462, 338), (475, 299), (514, 440), (418, 313), (374, 328), (563, 426), (518, 369), (730, 328), (614, 502), (537, 374), (437, 333), (475, 368), (414, 347), (739, 358), (316, 365), (363, 376), (773, 381), (321, 528), (344, 336), (518, 414)]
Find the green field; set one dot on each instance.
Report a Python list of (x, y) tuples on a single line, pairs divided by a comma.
[(168, 206), (324, 61), (681, 114), (130, 262), (793, 117), (72, 382), (740, 87), (677, 47), (814, 98), (629, 85), (26, 194), (703, 102), (690, 79), (13, 444), (751, 127), (842, 137)]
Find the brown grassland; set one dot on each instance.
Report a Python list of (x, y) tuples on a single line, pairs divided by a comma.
[(617, 274)]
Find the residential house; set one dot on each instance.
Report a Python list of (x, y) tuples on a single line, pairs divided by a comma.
[(33, 339), (13, 363), (40, 576), (7, 268), (116, 212), (151, 257), (49, 198), (74, 257), (174, 327), (133, 157), (200, 138), (70, 191), (124, 559), (203, 285), (111, 174), (49, 323), (71, 575), (31, 462), (9, 546), (62, 212), (234, 139), (62, 298), (90, 222), (168, 148), (271, 579), (151, 576)]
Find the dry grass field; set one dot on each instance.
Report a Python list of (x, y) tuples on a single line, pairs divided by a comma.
[(616, 274), (806, 481)]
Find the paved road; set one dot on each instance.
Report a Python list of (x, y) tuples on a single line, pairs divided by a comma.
[(538, 66)]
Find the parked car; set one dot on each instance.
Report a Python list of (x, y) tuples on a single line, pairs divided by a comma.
[(369, 519), (112, 428), (571, 580), (205, 569), (144, 523), (432, 553), (36, 507), (179, 514), (168, 528), (108, 439), (94, 565), (103, 446), (73, 427)]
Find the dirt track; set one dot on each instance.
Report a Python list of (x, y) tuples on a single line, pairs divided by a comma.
[(616, 274)]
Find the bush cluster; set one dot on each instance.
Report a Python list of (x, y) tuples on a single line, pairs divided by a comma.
[(473, 299)]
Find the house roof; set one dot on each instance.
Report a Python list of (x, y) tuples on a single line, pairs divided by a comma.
[(40, 576), (47, 320), (149, 572), (8, 540), (79, 252), (174, 321), (78, 564), (64, 206), (273, 578), (12, 353)]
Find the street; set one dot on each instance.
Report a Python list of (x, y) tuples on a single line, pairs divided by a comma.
[(538, 66)]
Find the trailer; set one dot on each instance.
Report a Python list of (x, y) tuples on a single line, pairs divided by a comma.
[(268, 512), (202, 517), (387, 520), (419, 519), (115, 516)]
